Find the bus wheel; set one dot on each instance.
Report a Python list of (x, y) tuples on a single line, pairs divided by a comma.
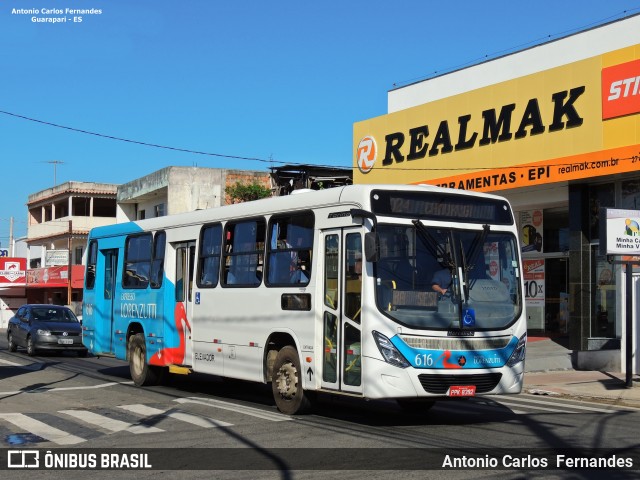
[(286, 383), (141, 372)]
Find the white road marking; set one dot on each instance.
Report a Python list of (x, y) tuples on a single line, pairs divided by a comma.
[(254, 412), (110, 424), (205, 422), (41, 429)]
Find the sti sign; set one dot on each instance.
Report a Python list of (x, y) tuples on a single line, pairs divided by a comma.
[(619, 232)]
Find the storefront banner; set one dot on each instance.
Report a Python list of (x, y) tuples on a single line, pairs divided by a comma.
[(56, 277), (13, 272), (531, 230), (619, 232), (53, 258), (566, 123), (534, 277), (621, 90)]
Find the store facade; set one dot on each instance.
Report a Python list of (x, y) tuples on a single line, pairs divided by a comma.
[(556, 130)]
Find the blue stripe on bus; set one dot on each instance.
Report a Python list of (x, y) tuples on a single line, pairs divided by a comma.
[(455, 359), (116, 229)]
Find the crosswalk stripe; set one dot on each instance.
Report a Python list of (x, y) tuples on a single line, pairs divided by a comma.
[(41, 429), (254, 412), (535, 407), (110, 424), (556, 404), (200, 421), (11, 364), (582, 402)]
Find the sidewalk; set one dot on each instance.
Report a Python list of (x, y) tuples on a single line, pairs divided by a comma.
[(549, 371)]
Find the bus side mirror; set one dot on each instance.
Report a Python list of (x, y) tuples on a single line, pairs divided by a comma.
[(371, 247)]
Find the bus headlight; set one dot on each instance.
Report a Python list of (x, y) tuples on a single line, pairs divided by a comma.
[(519, 353), (389, 351)]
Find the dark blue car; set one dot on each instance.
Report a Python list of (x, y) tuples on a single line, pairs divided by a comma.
[(45, 328)]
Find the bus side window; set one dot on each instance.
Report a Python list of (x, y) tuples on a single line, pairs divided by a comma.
[(244, 255), (209, 256), (92, 260), (290, 247), (137, 261), (157, 264)]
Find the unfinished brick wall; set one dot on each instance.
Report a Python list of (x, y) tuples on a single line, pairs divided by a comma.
[(246, 178)]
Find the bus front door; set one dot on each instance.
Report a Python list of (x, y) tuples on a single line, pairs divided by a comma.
[(341, 330), (185, 266), (105, 331)]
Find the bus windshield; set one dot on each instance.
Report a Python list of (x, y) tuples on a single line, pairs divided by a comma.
[(445, 278)]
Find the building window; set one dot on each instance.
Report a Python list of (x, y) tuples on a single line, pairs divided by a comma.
[(141, 215), (630, 195), (555, 233), (159, 210), (78, 256), (600, 196)]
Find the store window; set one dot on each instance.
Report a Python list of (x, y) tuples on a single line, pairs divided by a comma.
[(630, 197), (600, 196), (604, 311), (556, 230)]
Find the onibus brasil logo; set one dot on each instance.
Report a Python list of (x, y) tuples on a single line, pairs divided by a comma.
[(366, 154)]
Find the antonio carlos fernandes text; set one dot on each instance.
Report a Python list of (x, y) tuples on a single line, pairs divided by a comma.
[(530, 461)]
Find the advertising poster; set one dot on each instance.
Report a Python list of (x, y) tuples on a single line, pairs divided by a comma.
[(534, 290), (531, 228), (534, 282)]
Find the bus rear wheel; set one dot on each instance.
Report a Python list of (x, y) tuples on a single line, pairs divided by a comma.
[(142, 373), (286, 383)]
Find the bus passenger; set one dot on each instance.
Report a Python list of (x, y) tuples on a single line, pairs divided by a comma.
[(441, 281)]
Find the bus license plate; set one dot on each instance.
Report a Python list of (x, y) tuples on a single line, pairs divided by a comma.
[(462, 391), (65, 341)]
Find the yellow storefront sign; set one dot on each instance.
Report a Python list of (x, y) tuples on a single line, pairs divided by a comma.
[(543, 128)]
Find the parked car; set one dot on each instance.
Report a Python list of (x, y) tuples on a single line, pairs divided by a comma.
[(45, 327)]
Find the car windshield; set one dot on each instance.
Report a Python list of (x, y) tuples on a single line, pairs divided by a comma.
[(442, 278), (49, 314)]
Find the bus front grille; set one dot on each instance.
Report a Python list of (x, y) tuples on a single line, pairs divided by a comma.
[(439, 384)]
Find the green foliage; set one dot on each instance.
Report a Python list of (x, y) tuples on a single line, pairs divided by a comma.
[(245, 192)]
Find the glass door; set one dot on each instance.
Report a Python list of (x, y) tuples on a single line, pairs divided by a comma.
[(110, 274), (341, 330), (185, 270)]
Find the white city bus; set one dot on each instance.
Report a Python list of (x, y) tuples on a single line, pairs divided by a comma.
[(329, 291)]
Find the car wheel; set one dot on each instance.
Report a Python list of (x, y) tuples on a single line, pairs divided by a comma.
[(12, 346), (31, 348)]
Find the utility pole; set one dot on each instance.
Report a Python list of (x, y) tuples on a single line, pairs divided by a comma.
[(69, 265), (11, 236)]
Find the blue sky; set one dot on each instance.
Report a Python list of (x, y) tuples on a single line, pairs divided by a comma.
[(281, 81)]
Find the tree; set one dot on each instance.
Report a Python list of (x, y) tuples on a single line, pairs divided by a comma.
[(245, 192)]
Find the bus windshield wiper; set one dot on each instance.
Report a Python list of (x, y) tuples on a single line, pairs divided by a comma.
[(476, 246), (435, 249), (474, 252)]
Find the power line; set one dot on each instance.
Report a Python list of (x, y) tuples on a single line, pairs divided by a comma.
[(137, 142), (634, 158)]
